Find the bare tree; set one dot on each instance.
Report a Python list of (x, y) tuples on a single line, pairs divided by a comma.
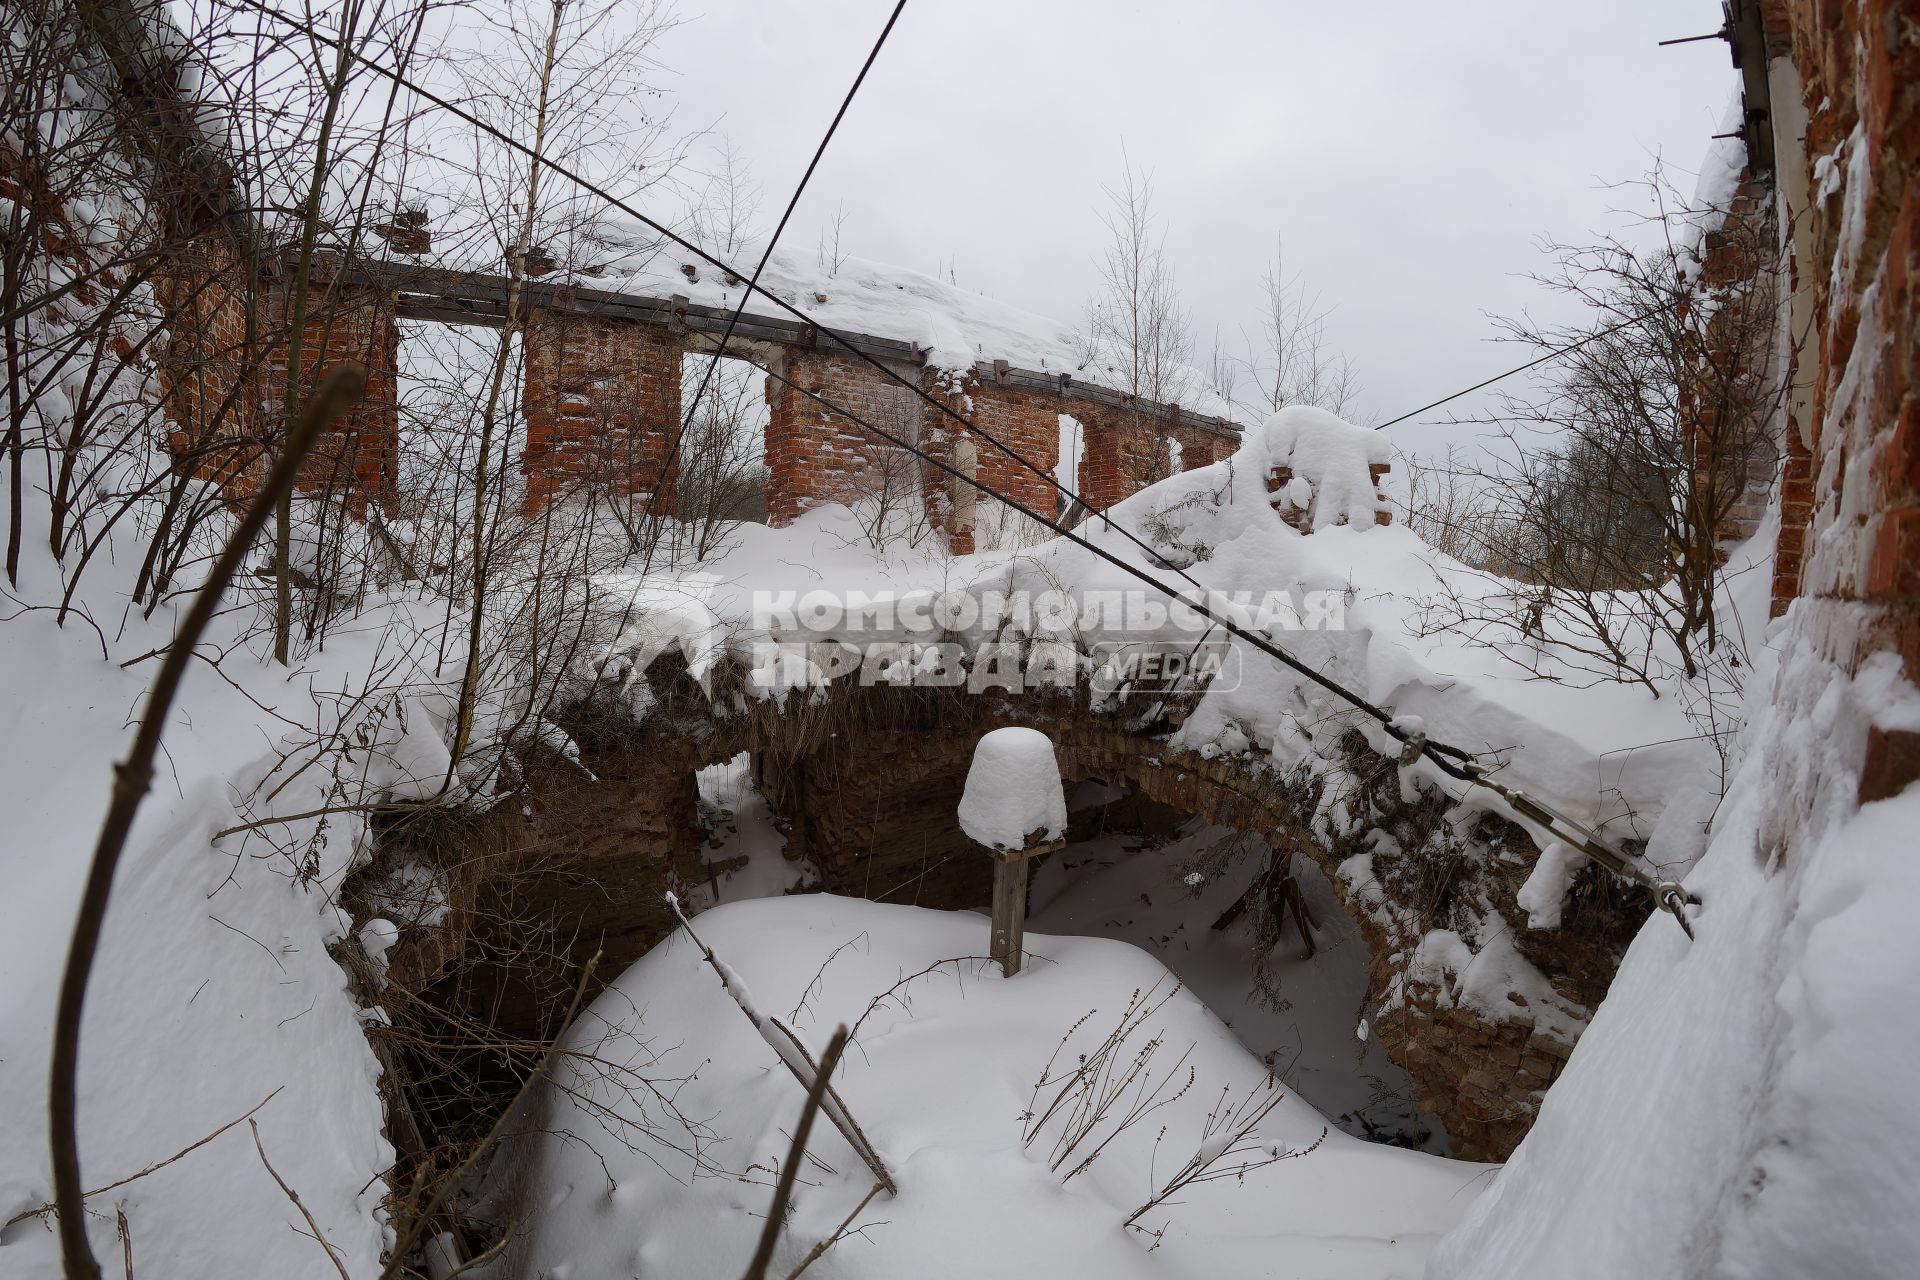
[(828, 255), (1136, 327), (1286, 357), (723, 470), (722, 220), (1445, 508), (1613, 510)]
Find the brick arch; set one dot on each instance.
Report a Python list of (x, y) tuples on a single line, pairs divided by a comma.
[(873, 808)]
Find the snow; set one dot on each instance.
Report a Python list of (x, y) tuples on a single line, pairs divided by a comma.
[(1013, 790), (954, 327), (1544, 894), (213, 988), (1157, 898), (940, 1076), (1607, 755), (1719, 179), (1071, 450), (1329, 458), (1736, 1106), (1733, 1097)]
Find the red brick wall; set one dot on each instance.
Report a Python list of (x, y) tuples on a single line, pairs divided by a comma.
[(208, 363), (223, 371), (602, 405), (816, 456), (1735, 253), (357, 460), (1125, 452), (1126, 449), (1027, 422), (1853, 482)]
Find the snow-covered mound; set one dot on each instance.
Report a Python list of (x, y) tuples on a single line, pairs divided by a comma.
[(1742, 1100), (1346, 599), (1329, 459), (941, 1078), (214, 995)]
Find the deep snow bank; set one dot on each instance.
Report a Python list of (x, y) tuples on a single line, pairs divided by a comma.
[(1346, 599), (1742, 1100), (213, 989), (940, 1078)]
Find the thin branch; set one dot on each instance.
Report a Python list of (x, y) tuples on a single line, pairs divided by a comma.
[(813, 1254), (155, 1167), (294, 1196), (337, 391), (783, 1190)]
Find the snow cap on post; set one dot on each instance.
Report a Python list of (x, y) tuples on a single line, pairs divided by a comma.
[(1013, 791)]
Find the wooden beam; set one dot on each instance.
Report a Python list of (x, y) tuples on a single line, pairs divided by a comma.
[(1009, 913), (1007, 944), (471, 297)]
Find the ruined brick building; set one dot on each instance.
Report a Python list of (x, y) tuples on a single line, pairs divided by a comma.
[(1832, 124)]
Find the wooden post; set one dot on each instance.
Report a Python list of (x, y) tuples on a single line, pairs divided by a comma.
[(1010, 902)]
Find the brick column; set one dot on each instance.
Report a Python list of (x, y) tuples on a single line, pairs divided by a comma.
[(816, 456), (356, 461), (210, 383), (1028, 422), (1125, 452), (602, 406)]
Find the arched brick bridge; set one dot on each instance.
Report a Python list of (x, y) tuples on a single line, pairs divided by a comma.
[(866, 784)]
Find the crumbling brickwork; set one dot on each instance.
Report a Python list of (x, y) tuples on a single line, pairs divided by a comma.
[(223, 371), (1852, 497), (815, 456), (874, 810), (208, 362), (356, 461), (602, 406), (1027, 422), (602, 403)]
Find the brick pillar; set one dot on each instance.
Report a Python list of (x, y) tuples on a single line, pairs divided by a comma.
[(1126, 450), (1027, 421), (209, 380), (816, 456), (602, 406), (356, 461)]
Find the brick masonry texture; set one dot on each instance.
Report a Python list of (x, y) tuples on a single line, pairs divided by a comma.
[(866, 788), (602, 406), (873, 803), (602, 402), (1850, 537)]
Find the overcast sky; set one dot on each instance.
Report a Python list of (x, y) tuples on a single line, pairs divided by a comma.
[(1409, 154)]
